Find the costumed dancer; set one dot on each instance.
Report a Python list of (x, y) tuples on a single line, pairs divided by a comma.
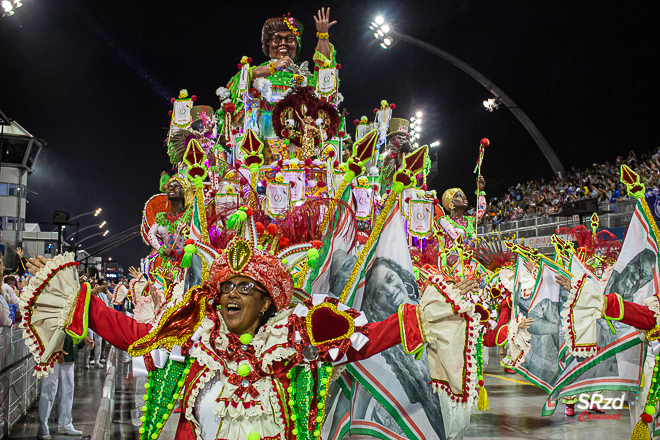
[(168, 233), (456, 223)]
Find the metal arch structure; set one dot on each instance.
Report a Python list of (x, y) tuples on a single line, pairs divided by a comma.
[(531, 128)]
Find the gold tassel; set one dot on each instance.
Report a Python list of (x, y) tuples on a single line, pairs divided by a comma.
[(482, 403), (641, 385), (641, 431)]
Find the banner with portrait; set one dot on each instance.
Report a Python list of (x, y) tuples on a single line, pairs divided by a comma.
[(391, 397), (620, 359)]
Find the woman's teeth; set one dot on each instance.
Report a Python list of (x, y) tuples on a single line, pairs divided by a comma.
[(233, 308)]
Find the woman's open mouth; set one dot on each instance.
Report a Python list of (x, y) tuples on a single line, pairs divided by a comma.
[(233, 309)]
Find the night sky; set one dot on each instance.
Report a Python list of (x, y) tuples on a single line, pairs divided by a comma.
[(94, 80)]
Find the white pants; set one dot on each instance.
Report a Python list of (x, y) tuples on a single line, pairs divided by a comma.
[(455, 417), (58, 384), (97, 347)]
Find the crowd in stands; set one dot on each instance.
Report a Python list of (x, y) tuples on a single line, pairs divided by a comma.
[(536, 198)]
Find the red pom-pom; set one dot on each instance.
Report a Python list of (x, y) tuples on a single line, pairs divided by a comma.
[(249, 60), (284, 242), (375, 187), (259, 227), (234, 131), (387, 191), (481, 383), (263, 182), (170, 112), (212, 193), (317, 244), (392, 106), (285, 133), (423, 187), (436, 201), (341, 133), (316, 68), (240, 66), (172, 100), (230, 107), (375, 111), (331, 154), (308, 161), (647, 418), (321, 184), (193, 98), (189, 241), (237, 164), (324, 98), (249, 211), (292, 183), (280, 163), (485, 142), (253, 91), (356, 122), (352, 186), (407, 200), (338, 66), (272, 229)]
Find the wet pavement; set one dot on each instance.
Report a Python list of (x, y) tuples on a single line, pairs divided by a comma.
[(515, 410)]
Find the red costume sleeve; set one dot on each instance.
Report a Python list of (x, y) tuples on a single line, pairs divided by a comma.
[(634, 315), (497, 336), (382, 335), (113, 326)]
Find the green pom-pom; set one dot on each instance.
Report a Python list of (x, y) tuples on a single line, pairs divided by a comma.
[(143, 419), (289, 375), (244, 370), (284, 261), (323, 393), (320, 405), (145, 397), (145, 408), (398, 187), (154, 436), (166, 416), (175, 396), (289, 390), (294, 432), (170, 406), (190, 248), (328, 369), (312, 256), (246, 338), (141, 430), (186, 260), (291, 403), (319, 419), (650, 410), (181, 383), (146, 385), (260, 247), (294, 417), (159, 425), (254, 436), (186, 371), (317, 433)]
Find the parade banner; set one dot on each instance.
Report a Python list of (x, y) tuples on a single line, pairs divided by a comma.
[(619, 362), (541, 366), (392, 399)]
